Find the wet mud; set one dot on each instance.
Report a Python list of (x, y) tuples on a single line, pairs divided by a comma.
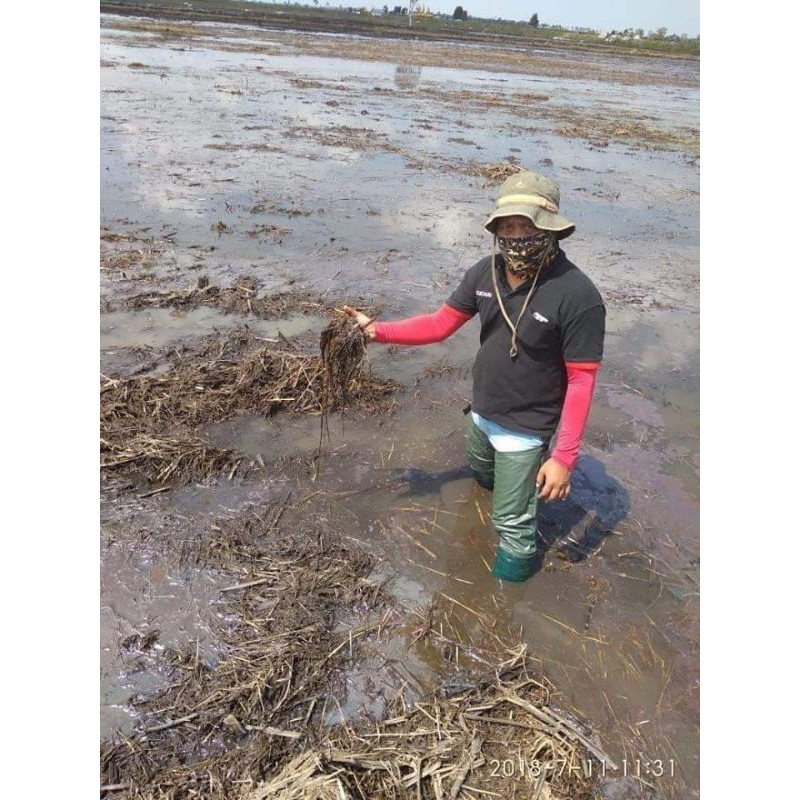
[(252, 181)]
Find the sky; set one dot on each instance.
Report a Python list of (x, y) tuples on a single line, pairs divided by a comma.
[(678, 16)]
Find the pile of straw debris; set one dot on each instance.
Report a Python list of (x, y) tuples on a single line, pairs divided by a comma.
[(500, 739), (301, 608), (241, 298), (215, 727), (149, 424)]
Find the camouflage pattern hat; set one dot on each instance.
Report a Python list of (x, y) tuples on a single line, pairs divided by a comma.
[(535, 197)]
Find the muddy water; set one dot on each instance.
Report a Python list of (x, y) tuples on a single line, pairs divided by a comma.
[(160, 327), (332, 173)]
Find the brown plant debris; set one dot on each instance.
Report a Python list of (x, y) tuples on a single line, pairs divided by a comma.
[(215, 731), (180, 458), (299, 609), (491, 173), (148, 423), (494, 172), (500, 738), (240, 298), (269, 233), (221, 227), (255, 727), (630, 131), (263, 380), (132, 258)]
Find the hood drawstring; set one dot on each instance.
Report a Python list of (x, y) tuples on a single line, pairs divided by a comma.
[(513, 350)]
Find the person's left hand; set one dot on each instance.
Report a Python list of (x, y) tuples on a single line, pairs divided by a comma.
[(553, 480)]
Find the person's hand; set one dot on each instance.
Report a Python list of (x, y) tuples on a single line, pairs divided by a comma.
[(364, 322), (553, 480)]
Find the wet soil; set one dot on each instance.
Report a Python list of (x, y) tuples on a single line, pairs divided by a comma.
[(321, 169)]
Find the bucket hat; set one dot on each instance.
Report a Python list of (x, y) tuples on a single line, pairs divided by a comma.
[(535, 197)]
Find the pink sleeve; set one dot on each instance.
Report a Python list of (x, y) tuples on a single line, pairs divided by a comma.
[(580, 385), (424, 329)]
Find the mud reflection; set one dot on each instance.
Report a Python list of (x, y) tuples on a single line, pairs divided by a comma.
[(407, 76)]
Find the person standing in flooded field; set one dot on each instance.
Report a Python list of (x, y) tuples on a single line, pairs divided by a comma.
[(541, 344)]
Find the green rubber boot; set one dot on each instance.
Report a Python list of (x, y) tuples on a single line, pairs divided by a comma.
[(513, 568)]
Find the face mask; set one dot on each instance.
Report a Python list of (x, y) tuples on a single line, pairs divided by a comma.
[(526, 255)]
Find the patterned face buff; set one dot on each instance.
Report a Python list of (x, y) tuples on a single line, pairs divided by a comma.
[(526, 255)]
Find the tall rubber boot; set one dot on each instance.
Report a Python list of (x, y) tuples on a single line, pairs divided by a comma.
[(514, 513), (508, 567)]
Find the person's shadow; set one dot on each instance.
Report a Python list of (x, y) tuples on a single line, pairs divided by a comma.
[(576, 527)]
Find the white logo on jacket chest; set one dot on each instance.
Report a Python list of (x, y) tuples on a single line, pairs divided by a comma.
[(482, 294), (539, 318)]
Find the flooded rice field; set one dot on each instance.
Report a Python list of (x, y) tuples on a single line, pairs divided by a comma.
[(252, 182)]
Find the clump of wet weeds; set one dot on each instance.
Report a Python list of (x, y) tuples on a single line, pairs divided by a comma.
[(301, 608), (149, 423), (344, 350)]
